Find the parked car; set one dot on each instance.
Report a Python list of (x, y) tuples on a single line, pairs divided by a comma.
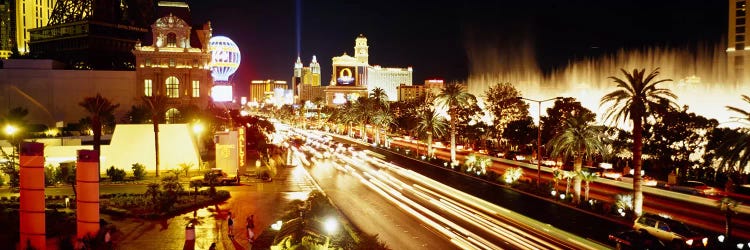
[(635, 240), (695, 188), (222, 178), (671, 232)]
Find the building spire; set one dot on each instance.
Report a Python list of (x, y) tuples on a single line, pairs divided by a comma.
[(298, 64)]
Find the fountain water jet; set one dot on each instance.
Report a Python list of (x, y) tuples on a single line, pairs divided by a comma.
[(699, 76)]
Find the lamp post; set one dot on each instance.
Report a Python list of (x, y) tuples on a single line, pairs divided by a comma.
[(11, 131), (539, 136)]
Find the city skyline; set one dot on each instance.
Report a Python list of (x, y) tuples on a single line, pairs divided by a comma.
[(434, 39)]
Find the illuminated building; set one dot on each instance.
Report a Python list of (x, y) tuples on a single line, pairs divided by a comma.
[(94, 34), (17, 17), (737, 47), (305, 79), (431, 87), (6, 43), (351, 78), (175, 66), (263, 91), (406, 92), (388, 79), (348, 78)]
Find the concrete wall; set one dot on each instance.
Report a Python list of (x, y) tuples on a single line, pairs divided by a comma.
[(134, 143), (53, 95)]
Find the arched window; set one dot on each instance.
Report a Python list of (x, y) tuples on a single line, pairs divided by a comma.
[(171, 40), (172, 116), (173, 87)]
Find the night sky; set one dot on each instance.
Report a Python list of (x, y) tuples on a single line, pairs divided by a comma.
[(433, 36)]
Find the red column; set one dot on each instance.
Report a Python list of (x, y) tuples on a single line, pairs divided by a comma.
[(87, 193), (32, 205)]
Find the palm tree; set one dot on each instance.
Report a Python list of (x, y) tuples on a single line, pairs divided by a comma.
[(379, 95), (587, 177), (98, 107), (728, 206), (635, 100), (735, 151), (579, 139), (363, 110), (319, 102), (556, 176), (158, 106), (382, 118), (432, 124), (567, 175), (453, 96)]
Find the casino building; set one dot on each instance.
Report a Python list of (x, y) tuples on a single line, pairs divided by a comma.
[(353, 76), (177, 64)]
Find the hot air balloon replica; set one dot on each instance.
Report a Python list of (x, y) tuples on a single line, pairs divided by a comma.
[(225, 59)]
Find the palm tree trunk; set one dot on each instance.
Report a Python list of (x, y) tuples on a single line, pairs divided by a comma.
[(96, 125), (363, 132), (637, 154), (577, 179), (429, 144), (156, 143), (587, 190), (453, 135), (728, 227), (377, 135)]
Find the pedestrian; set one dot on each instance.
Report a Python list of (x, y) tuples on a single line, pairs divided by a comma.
[(108, 239), (230, 225), (250, 221), (250, 236)]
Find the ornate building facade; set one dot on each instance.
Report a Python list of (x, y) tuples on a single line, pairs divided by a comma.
[(175, 66)]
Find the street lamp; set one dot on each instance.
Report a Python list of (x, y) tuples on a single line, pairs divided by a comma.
[(539, 137), (11, 130)]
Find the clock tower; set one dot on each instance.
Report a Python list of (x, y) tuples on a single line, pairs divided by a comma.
[(360, 50)]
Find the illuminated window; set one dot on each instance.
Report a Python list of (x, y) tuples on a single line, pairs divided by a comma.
[(172, 116), (173, 87), (171, 62), (148, 87), (171, 40), (196, 88), (148, 62)]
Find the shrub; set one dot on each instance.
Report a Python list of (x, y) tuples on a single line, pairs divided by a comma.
[(116, 174), (139, 171), (512, 175), (66, 173), (185, 167), (49, 175)]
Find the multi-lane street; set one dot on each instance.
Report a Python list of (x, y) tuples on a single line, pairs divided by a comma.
[(697, 211), (468, 222)]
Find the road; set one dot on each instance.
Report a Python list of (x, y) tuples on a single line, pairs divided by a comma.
[(373, 214), (469, 222), (696, 211)]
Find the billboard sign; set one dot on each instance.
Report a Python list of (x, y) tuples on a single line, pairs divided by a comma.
[(346, 75)]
